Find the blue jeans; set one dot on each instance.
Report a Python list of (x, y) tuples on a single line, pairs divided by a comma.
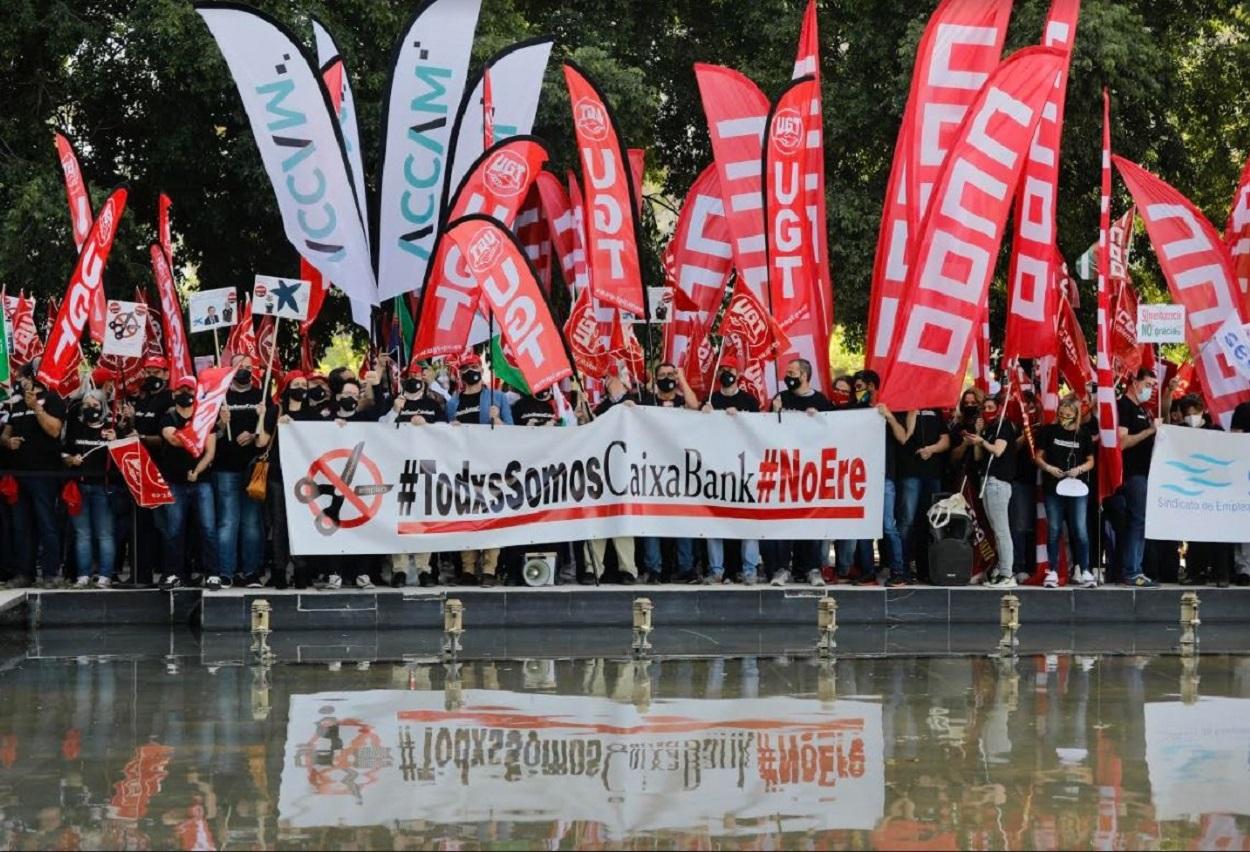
[(913, 492), (189, 497), (716, 557), (651, 556), (94, 530), (240, 526), (891, 540), (35, 534), (1074, 511), (1132, 536)]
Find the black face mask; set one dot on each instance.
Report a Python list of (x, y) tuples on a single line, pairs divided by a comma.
[(153, 384), (412, 386), (243, 377), (793, 383), (317, 395), (727, 379), (969, 412), (543, 396), (184, 400), (348, 403), (471, 377), (296, 394), (666, 384), (92, 416)]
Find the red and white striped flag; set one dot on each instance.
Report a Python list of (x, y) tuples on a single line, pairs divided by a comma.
[(1110, 463)]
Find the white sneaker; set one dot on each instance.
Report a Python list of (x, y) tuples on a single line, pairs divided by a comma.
[(82, 583), (1051, 581), (1002, 581), (103, 582), (815, 578), (363, 582), (334, 582), (1088, 581), (780, 578)]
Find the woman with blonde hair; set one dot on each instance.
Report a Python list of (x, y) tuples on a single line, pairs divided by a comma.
[(1065, 456)]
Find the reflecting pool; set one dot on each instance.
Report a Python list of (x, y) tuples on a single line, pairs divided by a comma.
[(1042, 752)]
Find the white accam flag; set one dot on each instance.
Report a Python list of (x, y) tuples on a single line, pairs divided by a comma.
[(328, 53), (516, 82), (299, 142), (427, 82)]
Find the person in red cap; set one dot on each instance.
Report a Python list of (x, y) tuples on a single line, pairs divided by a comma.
[(150, 405), (730, 397), (187, 477)]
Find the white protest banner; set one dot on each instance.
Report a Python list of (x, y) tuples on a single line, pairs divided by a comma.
[(1160, 323), (1199, 486), (1233, 338), (209, 309), (369, 488), (126, 325), (1197, 756), (374, 757), (285, 298)]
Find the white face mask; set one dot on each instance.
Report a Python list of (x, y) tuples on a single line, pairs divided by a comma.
[(1144, 395), (1194, 420)]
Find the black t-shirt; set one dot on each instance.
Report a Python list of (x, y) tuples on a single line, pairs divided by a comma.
[(1003, 467), (274, 429), (150, 410), (1136, 419), (81, 439), (1026, 470), (790, 401), (469, 408), (739, 401), (1241, 418), (678, 401), (929, 430), (175, 462), (40, 452), (243, 420), (429, 407), (528, 411), (1065, 450)]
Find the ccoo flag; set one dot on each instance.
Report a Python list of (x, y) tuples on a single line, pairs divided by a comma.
[(300, 143)]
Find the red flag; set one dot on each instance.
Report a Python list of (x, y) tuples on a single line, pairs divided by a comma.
[(64, 350), (948, 285), (316, 296), (505, 280), (142, 477), (980, 363), (578, 207), (1237, 236), (792, 277), (210, 393), (171, 317), (1199, 272), (1033, 276), (1125, 353), (531, 230), (242, 339), (496, 184), (1110, 462), (80, 218), (488, 111), (164, 234), (612, 229), (1073, 353), (626, 348), (585, 340), (762, 338), (807, 61), (556, 211), (265, 340), (960, 48), (697, 264), (27, 346), (637, 168)]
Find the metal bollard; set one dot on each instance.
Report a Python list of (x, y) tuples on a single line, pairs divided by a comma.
[(453, 688), (642, 686), (453, 626), (827, 622), (642, 626), (260, 693), (261, 610), (827, 683), (1189, 622), (1009, 620)]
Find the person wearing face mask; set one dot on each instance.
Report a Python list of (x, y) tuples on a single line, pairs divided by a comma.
[(317, 400), (961, 457), (994, 447), (1065, 451), (1137, 438), (292, 407), (731, 398), (240, 522), (843, 396), (615, 393), (538, 409), (33, 435), (475, 403), (416, 405), (1210, 560), (898, 430), (153, 400), (346, 408), (86, 441), (187, 477)]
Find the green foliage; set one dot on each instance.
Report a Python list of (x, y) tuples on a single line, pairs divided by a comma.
[(142, 90)]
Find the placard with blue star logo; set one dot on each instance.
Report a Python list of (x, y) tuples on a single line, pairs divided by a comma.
[(285, 298)]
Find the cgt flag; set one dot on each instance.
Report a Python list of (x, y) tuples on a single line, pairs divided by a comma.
[(64, 350), (792, 275), (506, 281), (612, 228), (210, 393), (142, 477), (300, 143), (948, 285)]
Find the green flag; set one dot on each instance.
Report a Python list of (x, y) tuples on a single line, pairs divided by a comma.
[(4, 350), (504, 371), (406, 328)]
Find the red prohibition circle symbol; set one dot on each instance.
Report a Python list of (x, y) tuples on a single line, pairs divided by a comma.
[(364, 498)]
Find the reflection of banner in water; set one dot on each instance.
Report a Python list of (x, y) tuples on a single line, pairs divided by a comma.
[(1197, 756), (368, 758)]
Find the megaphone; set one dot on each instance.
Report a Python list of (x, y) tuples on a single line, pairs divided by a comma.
[(539, 569)]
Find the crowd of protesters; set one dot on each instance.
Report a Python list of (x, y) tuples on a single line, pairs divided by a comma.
[(67, 518)]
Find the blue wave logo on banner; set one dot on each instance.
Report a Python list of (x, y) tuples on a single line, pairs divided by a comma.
[(1203, 474)]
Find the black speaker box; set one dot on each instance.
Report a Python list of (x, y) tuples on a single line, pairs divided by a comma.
[(950, 562)]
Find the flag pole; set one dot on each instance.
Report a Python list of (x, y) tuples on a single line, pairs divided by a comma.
[(720, 353), (490, 362), (217, 346), (277, 325)]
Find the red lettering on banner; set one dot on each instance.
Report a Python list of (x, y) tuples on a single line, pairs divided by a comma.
[(949, 282), (1237, 236), (792, 277)]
